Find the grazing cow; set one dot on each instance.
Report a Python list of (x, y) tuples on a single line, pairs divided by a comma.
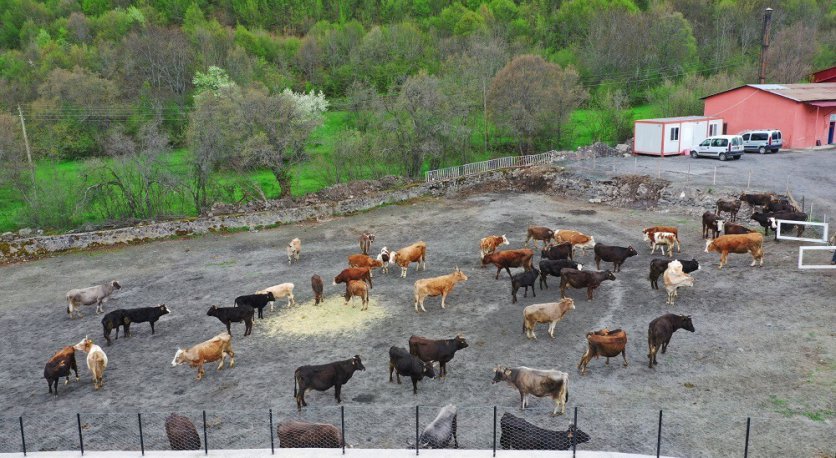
[(357, 288), (437, 286), (125, 318), (539, 382), (662, 240), (60, 365), (549, 267), (604, 343), (674, 278), (361, 260), (256, 301), (711, 222), (615, 254), (729, 206), (214, 349), (582, 279), (737, 243), (323, 376), (524, 280), (660, 331), (518, 434), (577, 239), (440, 431), (557, 252), (229, 315), (442, 351), (354, 273), (506, 259), (787, 216), (366, 241), (384, 257), (650, 231), (403, 363), (316, 286), (490, 243), (417, 252), (658, 267), (279, 291), (88, 296), (96, 360), (754, 200), (550, 312), (181, 433), (294, 248), (733, 228), (540, 233), (302, 434)]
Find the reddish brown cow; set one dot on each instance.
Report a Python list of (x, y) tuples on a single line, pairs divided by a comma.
[(506, 259), (737, 243), (361, 260), (316, 286), (60, 365), (604, 343), (354, 273), (540, 233), (357, 288), (301, 434)]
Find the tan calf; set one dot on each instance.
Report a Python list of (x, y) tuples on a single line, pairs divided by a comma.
[(357, 288), (294, 248), (437, 286), (417, 252), (550, 312), (216, 348), (279, 291)]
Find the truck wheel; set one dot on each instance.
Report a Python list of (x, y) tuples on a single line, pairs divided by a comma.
[(762, 150), (722, 156), (694, 154)]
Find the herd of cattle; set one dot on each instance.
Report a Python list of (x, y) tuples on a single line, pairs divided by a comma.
[(560, 249)]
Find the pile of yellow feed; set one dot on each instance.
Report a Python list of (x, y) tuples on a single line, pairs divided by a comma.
[(329, 317)]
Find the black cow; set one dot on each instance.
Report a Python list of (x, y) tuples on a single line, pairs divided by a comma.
[(441, 430), (763, 219), (112, 320), (553, 267), (780, 205), (556, 252), (756, 199), (788, 216), (322, 377), (181, 433), (229, 315), (256, 301), (402, 363), (660, 331), (519, 434), (124, 317), (436, 350), (614, 254), (659, 266), (523, 280)]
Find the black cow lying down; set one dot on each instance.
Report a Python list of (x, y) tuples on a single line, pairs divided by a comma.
[(519, 434)]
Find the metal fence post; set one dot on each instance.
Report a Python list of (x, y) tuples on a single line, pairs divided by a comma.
[(80, 437), (141, 438), (272, 443), (22, 436), (416, 430), (205, 438), (575, 434), (746, 448), (342, 426), (659, 435), (494, 430)]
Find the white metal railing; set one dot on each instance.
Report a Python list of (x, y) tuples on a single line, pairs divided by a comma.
[(803, 249), (489, 165), (780, 234)]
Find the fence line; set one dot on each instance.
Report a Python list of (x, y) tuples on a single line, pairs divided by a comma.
[(490, 165)]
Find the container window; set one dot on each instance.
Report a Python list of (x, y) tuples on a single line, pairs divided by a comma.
[(675, 133)]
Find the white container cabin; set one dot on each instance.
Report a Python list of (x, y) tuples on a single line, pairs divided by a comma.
[(673, 136)]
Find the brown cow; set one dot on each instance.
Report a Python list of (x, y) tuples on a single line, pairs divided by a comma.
[(216, 348), (729, 206), (539, 382), (316, 286), (540, 233), (659, 333), (582, 279), (604, 343), (733, 228), (711, 222), (490, 243), (550, 312), (577, 239), (60, 365), (361, 260), (417, 252), (737, 243), (301, 434), (354, 273), (506, 259), (438, 286), (181, 433), (357, 288), (366, 241)]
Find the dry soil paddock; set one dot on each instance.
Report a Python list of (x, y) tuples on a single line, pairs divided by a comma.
[(763, 347)]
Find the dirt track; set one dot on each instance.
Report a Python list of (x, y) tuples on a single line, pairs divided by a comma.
[(763, 347)]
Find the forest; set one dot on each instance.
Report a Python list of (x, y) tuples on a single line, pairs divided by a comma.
[(161, 108)]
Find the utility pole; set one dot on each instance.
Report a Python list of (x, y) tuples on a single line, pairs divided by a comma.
[(767, 20), (485, 111), (28, 151)]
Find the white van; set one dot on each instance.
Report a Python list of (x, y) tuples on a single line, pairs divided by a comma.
[(720, 146), (762, 140)]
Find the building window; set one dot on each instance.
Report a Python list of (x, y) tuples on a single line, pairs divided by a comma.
[(712, 130), (675, 133)]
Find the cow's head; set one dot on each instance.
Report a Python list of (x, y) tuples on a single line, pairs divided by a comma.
[(631, 251), (460, 342), (609, 275), (370, 237), (163, 309), (429, 370), (720, 225), (115, 284), (500, 374), (646, 236), (458, 275), (685, 322), (179, 357), (579, 435), (84, 345), (357, 364), (505, 240), (694, 260), (709, 245), (212, 310), (569, 303), (270, 296), (773, 223)]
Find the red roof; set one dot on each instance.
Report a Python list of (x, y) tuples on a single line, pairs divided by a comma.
[(828, 75)]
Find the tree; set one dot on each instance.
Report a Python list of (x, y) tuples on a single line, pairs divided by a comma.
[(531, 97), (791, 54), (163, 57)]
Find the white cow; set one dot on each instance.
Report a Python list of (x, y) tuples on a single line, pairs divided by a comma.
[(96, 360), (674, 279), (279, 291), (88, 296)]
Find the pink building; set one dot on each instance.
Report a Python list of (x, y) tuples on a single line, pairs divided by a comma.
[(804, 113)]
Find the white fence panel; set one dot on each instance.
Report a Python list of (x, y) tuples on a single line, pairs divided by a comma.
[(823, 238), (490, 165), (801, 251)]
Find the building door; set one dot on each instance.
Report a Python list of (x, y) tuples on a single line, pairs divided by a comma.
[(830, 132), (725, 128)]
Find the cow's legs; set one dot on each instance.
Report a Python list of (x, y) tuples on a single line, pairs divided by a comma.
[(414, 385), (522, 401), (391, 368), (443, 298), (338, 388), (221, 364), (589, 293), (442, 368), (509, 272), (624, 355), (552, 325)]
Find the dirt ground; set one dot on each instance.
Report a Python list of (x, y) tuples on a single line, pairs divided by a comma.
[(764, 343)]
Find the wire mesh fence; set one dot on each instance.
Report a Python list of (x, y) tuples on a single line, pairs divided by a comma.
[(687, 432)]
